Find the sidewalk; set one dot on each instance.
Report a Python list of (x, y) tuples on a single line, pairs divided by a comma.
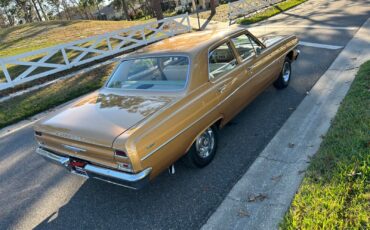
[(263, 195)]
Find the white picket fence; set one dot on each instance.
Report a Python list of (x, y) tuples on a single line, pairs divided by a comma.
[(40, 63), (244, 7)]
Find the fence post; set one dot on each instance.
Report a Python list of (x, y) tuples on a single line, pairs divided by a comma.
[(65, 57), (6, 73), (143, 36), (188, 21)]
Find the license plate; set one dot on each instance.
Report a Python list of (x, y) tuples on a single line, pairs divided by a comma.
[(81, 171)]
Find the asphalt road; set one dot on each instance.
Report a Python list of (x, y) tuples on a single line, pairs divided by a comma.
[(36, 194)]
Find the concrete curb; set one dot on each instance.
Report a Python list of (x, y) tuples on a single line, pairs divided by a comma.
[(262, 196)]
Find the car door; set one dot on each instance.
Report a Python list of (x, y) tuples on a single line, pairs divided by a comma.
[(225, 75), (250, 85), (265, 67), (258, 73)]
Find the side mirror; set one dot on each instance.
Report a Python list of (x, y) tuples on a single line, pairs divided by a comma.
[(258, 50)]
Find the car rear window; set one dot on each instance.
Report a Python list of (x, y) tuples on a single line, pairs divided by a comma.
[(151, 73)]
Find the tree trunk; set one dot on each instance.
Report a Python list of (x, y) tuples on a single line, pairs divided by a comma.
[(56, 4), (43, 11), (193, 6), (91, 13), (58, 12), (37, 10), (9, 17), (86, 13), (125, 9), (132, 6), (66, 10), (97, 6), (78, 8), (23, 6), (156, 4), (213, 7), (148, 9)]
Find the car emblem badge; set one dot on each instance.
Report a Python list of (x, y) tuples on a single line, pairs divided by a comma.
[(150, 146)]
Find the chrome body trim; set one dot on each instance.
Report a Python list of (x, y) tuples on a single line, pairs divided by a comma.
[(129, 180), (116, 174), (53, 158), (74, 149), (119, 156), (208, 112)]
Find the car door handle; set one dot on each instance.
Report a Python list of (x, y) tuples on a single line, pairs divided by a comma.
[(250, 68), (222, 88)]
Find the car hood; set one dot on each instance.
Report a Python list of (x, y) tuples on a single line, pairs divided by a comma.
[(101, 117)]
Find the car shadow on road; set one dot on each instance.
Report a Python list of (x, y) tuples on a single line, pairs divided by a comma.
[(101, 205)]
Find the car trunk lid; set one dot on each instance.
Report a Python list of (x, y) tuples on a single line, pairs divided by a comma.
[(101, 117)]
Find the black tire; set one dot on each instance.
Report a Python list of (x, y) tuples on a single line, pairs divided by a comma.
[(285, 75), (197, 159)]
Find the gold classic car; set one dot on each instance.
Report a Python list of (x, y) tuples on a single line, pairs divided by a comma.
[(165, 102)]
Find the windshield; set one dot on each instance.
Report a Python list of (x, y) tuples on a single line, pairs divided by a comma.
[(158, 73)]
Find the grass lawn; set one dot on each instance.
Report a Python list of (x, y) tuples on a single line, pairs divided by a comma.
[(335, 193), (221, 14), (29, 104), (38, 35), (35, 36), (223, 10), (271, 11)]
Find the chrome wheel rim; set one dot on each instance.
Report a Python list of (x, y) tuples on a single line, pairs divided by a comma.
[(205, 143), (286, 72)]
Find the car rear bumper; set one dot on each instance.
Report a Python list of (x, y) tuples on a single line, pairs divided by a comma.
[(133, 181), (296, 53)]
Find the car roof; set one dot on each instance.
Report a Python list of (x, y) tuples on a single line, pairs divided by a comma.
[(189, 43)]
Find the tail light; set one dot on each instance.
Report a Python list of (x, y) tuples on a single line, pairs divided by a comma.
[(120, 153), (79, 164), (123, 166)]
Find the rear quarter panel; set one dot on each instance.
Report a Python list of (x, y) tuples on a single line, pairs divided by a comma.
[(163, 140), (280, 50)]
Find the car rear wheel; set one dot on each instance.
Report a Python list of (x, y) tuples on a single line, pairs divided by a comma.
[(203, 149), (284, 78)]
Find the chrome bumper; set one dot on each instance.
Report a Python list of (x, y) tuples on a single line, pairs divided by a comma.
[(297, 52), (133, 181)]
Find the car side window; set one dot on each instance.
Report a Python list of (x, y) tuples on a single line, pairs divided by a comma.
[(256, 45), (221, 60), (245, 46)]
